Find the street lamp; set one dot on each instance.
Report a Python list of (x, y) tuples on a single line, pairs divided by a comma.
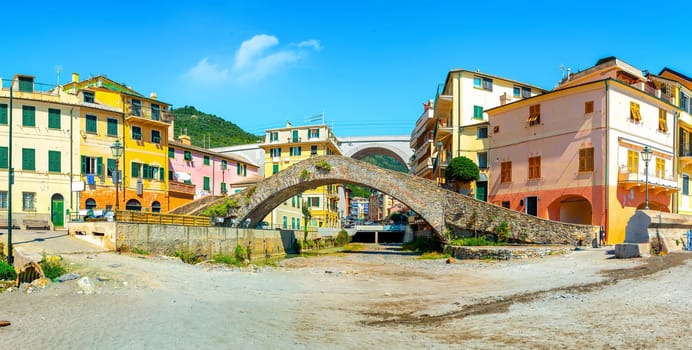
[(646, 156), (117, 150)]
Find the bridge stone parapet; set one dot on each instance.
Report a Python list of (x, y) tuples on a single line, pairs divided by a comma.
[(439, 207)]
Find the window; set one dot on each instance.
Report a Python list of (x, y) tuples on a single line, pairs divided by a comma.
[(482, 160), (634, 112), (54, 161), (206, 160), (112, 127), (516, 92), (4, 158), (295, 136), (684, 100), (482, 132), (137, 133), (206, 185), (90, 125), (28, 116), (187, 155), (155, 207), (28, 200), (314, 134), (632, 162), (313, 201), (275, 168), (170, 175), (586, 159), (662, 120), (273, 136), (155, 136), (506, 172), (534, 167), (89, 97), (149, 172), (534, 115), (525, 92), (478, 112), (3, 113), (477, 82), (171, 152), (3, 199), (660, 168), (224, 164), (155, 112), (135, 169), (293, 201), (588, 107), (26, 84), (110, 168), (92, 165), (241, 169), (487, 84), (505, 204), (685, 186), (224, 189), (53, 118), (313, 150), (136, 108), (90, 203), (28, 159), (275, 152), (295, 151)]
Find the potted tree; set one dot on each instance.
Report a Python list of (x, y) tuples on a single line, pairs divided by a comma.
[(461, 171)]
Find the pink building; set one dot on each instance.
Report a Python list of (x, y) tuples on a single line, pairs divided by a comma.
[(574, 154), (210, 173)]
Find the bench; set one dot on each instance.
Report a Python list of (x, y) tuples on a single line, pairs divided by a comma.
[(37, 224), (3, 223)]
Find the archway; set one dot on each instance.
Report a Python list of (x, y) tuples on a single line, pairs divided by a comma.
[(133, 205), (156, 207), (57, 210), (90, 203), (573, 209)]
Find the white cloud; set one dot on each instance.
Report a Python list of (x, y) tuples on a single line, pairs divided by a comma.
[(206, 73), (252, 48), (255, 59)]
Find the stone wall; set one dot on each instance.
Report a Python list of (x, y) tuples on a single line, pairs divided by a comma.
[(656, 231), (504, 253)]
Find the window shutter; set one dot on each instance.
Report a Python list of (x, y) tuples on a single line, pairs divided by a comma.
[(84, 164), (4, 158), (99, 166), (161, 171), (244, 169), (146, 172), (135, 169), (317, 201)]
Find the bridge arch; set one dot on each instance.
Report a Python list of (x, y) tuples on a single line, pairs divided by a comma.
[(397, 147), (414, 192)]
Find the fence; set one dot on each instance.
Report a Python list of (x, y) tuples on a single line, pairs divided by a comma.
[(158, 218)]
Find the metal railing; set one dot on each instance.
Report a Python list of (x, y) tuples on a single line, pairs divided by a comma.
[(157, 114), (162, 219)]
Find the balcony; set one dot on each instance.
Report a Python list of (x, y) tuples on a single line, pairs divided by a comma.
[(180, 187), (148, 116), (657, 184), (685, 155)]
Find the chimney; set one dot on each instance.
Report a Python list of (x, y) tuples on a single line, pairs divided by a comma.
[(185, 140), (153, 96), (75, 77)]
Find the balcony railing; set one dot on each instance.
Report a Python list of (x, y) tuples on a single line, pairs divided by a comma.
[(631, 179), (156, 114), (180, 187)]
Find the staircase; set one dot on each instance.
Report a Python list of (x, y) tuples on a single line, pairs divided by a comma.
[(193, 207)]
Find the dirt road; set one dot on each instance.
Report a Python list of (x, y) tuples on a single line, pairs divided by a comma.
[(378, 298)]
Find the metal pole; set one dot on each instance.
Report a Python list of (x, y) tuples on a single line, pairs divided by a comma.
[(117, 183), (646, 175), (10, 181)]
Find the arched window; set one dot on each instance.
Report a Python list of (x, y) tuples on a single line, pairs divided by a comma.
[(134, 205), (155, 207), (90, 203)]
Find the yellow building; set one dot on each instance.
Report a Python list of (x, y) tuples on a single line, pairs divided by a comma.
[(285, 146), (143, 130), (42, 151)]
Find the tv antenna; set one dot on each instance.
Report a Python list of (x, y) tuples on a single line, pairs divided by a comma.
[(58, 70)]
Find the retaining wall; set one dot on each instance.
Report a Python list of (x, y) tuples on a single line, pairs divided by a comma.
[(504, 253)]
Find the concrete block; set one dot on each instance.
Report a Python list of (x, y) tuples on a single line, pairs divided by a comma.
[(630, 250)]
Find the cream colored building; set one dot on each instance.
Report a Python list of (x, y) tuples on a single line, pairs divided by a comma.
[(286, 146)]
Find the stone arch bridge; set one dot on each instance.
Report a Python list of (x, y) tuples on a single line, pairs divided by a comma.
[(441, 208)]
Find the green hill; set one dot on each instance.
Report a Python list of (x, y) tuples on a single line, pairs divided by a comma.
[(208, 130)]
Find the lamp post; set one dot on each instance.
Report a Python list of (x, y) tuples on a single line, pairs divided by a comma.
[(646, 156), (117, 150)]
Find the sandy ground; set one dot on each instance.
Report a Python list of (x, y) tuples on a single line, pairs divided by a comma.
[(378, 298)]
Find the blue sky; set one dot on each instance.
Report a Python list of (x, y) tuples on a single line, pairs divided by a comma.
[(369, 65)]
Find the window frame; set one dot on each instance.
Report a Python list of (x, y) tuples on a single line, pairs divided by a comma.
[(53, 118), (54, 164), (586, 160), (29, 116), (633, 161), (534, 115), (480, 156), (112, 127), (506, 172), (4, 113), (478, 112), (662, 120), (635, 112), (534, 168), (88, 97), (28, 159), (588, 107), (480, 134), (156, 137), (91, 122), (136, 133)]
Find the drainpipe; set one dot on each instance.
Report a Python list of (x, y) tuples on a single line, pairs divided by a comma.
[(459, 115), (676, 157), (607, 163), (71, 158)]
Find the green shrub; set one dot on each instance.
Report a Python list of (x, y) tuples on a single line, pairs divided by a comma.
[(472, 241), (323, 165), (7, 271), (342, 238), (305, 174), (226, 259), (52, 268), (140, 251), (502, 231), (239, 253), (423, 245), (187, 257)]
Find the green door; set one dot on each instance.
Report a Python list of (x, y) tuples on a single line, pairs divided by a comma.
[(57, 211), (482, 190)]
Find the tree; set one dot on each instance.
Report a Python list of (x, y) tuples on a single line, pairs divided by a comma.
[(462, 169), (307, 214)]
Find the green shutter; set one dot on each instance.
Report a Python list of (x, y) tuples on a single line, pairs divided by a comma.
[(161, 173), (53, 118), (54, 161), (317, 134), (135, 169), (293, 201), (275, 168), (223, 187), (90, 125), (28, 159), (237, 169), (146, 171), (317, 201), (295, 135), (244, 169), (4, 159), (99, 166), (171, 152), (26, 84), (206, 183), (112, 127), (478, 112), (28, 116), (110, 165), (170, 175), (84, 164), (3, 113)]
